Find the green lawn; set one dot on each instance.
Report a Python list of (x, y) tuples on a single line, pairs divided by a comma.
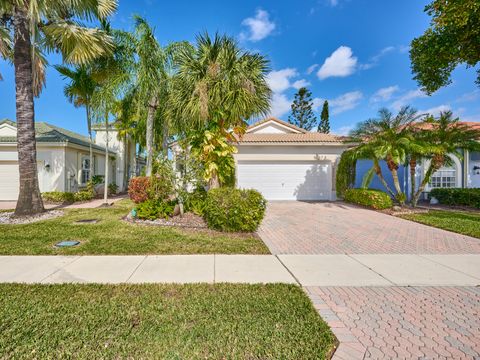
[(466, 223), (113, 236), (222, 321)]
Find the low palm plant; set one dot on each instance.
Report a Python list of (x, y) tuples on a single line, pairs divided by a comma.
[(388, 138), (445, 136), (28, 29)]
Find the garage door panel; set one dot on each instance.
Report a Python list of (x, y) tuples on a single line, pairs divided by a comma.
[(9, 183), (287, 180)]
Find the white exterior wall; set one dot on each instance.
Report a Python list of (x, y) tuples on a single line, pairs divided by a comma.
[(124, 157), (51, 178)]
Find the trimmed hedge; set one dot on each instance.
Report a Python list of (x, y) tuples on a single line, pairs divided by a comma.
[(457, 196), (374, 199), (230, 209), (67, 197), (155, 209)]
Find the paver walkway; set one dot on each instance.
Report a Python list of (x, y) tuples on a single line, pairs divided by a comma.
[(402, 322), (296, 227)]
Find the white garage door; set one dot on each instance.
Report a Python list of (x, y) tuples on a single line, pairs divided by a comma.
[(287, 180), (9, 180)]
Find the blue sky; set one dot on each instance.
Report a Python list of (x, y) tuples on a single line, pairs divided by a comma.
[(352, 52)]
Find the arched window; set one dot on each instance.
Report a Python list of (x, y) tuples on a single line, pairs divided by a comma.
[(445, 177)]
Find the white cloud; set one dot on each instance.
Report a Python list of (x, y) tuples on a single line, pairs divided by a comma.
[(407, 97), (384, 94), (340, 64), (374, 60), (279, 81), (300, 83), (280, 105), (435, 111), (259, 26), (317, 103), (343, 130), (345, 102), (333, 2), (311, 69), (471, 96)]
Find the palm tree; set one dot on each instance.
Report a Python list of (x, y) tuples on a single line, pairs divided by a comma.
[(79, 92), (153, 71), (389, 138), (27, 30), (218, 82), (446, 136)]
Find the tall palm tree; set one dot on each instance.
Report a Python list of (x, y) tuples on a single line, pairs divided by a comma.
[(28, 29), (153, 71), (446, 136), (388, 138), (79, 92), (219, 82)]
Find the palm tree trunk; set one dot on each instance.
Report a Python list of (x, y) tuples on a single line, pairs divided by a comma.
[(29, 198), (396, 183), (90, 138), (378, 171), (126, 152), (413, 180), (214, 183), (150, 121), (426, 179), (105, 189), (165, 138)]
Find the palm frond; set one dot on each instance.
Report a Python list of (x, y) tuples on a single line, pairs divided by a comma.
[(78, 44)]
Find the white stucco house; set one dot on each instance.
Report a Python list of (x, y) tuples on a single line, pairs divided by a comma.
[(63, 158)]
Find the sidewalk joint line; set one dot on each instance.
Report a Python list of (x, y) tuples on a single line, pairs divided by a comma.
[(369, 268), (78, 257), (136, 268), (214, 268), (286, 268), (446, 266)]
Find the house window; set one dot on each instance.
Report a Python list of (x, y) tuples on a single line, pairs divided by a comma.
[(444, 178), (85, 170)]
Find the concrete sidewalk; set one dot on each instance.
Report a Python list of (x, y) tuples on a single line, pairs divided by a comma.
[(95, 203), (305, 270)]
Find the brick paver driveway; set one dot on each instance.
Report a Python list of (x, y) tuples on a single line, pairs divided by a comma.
[(402, 322), (336, 228)]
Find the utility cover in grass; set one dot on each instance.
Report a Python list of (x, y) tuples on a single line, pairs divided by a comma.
[(67, 243)]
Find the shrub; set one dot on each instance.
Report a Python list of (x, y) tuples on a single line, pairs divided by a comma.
[(230, 209), (375, 199), (457, 196), (112, 189), (58, 197), (84, 195), (155, 209), (138, 189), (195, 201), (160, 187)]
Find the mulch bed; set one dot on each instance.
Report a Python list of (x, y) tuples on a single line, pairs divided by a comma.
[(189, 222), (7, 218)]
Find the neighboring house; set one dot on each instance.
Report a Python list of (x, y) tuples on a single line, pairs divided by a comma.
[(285, 162), (463, 173), (63, 159)]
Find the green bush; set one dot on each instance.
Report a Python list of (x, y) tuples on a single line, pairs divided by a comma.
[(58, 197), (84, 195), (195, 201), (457, 196), (230, 209), (67, 197), (375, 199), (112, 189), (155, 209)]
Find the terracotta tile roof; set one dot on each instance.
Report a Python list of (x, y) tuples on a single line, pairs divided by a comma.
[(305, 137), (284, 123)]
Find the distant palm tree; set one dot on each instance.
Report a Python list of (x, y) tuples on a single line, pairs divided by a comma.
[(79, 91), (27, 30), (388, 138), (219, 82), (446, 136)]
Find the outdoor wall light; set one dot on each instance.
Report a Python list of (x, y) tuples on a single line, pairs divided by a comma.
[(47, 166)]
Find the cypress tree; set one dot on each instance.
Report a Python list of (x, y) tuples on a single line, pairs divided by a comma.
[(324, 125)]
